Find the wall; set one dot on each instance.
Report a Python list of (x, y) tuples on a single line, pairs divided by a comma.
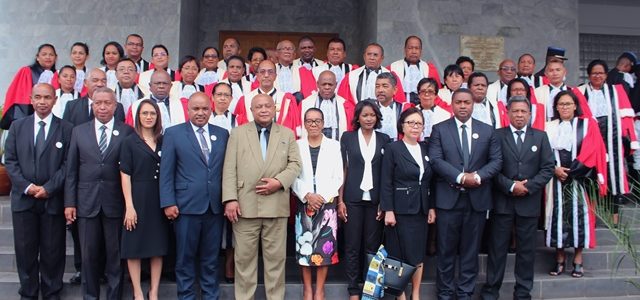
[(610, 17), (24, 25), (527, 26)]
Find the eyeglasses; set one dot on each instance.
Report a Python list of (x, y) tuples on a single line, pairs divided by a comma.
[(210, 56), (266, 72), (512, 69), (414, 124), (314, 121), (160, 54), (132, 44), (427, 92), (226, 95), (126, 69)]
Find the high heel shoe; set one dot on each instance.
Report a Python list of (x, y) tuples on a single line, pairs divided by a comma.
[(560, 266), (578, 271)]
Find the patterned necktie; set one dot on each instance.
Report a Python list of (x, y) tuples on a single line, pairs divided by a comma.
[(102, 144), (465, 146), (203, 144), (263, 143), (519, 140)]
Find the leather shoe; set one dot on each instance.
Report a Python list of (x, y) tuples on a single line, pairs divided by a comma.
[(76, 278)]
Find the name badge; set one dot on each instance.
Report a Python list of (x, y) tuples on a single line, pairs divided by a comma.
[(116, 133), (59, 145), (214, 138), (475, 136), (534, 148)]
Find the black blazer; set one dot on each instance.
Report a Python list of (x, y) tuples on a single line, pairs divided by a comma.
[(445, 152), (535, 163), (21, 163), (401, 191), (92, 182), (77, 111), (354, 164)]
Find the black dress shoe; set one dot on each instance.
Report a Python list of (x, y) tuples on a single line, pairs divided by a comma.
[(76, 278)]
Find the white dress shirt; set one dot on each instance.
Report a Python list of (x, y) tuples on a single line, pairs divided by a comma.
[(207, 138), (108, 131), (36, 126)]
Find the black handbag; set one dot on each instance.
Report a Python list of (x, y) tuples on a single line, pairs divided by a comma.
[(397, 273)]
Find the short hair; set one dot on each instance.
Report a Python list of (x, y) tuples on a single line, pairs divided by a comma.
[(475, 75), (115, 44), (67, 67), (125, 59), (187, 58), (527, 87), (305, 38), (358, 111), (526, 54), (376, 45), (461, 91), (210, 47), (218, 85), (406, 41), (573, 96), (429, 81), (236, 57), (407, 113), (453, 69), (135, 35), (159, 46), (83, 45), (235, 40), (255, 50), (387, 75), (518, 99), (313, 109), (462, 59), (337, 40), (104, 89), (597, 62), (35, 61), (157, 128)]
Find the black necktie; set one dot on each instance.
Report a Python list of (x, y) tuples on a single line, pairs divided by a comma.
[(465, 146), (519, 140), (40, 140)]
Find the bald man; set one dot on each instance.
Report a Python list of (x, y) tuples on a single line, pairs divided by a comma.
[(79, 110), (190, 193), (172, 110), (497, 91), (332, 106), (290, 75), (256, 199), (36, 149)]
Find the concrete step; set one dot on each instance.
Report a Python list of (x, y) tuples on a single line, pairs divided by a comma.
[(600, 285)]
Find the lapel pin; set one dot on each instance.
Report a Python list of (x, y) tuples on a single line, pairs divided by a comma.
[(214, 138), (534, 148), (382, 151), (159, 153), (116, 133), (475, 136), (426, 158), (59, 145)]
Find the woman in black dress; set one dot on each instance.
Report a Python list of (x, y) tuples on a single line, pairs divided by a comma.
[(145, 232), (404, 195)]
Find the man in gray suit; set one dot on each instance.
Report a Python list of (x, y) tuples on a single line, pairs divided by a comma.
[(93, 194)]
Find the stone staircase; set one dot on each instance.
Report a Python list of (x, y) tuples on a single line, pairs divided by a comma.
[(599, 282)]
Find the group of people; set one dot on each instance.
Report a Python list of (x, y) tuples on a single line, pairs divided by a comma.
[(213, 158)]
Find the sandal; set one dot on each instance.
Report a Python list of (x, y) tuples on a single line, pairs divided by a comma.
[(578, 271), (558, 270)]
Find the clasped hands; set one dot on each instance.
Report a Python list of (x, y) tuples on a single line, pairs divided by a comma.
[(37, 191), (469, 180), (232, 208)]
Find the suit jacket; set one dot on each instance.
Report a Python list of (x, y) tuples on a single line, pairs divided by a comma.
[(401, 189), (186, 179), (354, 163), (93, 182), (445, 152), (77, 111), (244, 167), (535, 163), (21, 163)]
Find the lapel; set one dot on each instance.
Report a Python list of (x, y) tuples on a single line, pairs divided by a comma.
[(379, 146), (274, 142), (254, 143), (114, 138), (474, 131), (53, 133), (407, 155), (147, 149), (508, 135), (30, 141), (528, 142), (213, 144), (93, 139), (191, 135), (453, 133)]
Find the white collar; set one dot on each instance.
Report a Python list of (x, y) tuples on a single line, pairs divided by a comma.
[(109, 124), (459, 123), (47, 119), (195, 128), (513, 129)]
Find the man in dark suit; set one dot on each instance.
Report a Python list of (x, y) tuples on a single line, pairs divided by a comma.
[(93, 194), (79, 110), (527, 166), (36, 150), (191, 195), (465, 155)]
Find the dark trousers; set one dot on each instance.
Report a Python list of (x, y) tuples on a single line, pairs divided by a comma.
[(459, 232), (39, 240), (362, 233), (99, 234), (526, 228), (77, 255), (198, 240)]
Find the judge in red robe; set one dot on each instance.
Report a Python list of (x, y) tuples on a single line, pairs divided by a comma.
[(17, 102), (287, 113), (336, 54)]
